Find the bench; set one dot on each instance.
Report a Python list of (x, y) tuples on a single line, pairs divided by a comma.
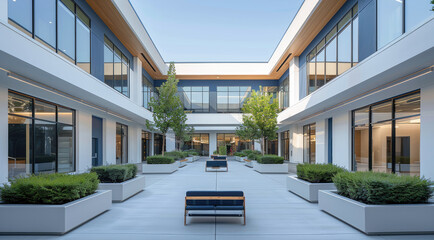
[(215, 201), (216, 164), (219, 158)]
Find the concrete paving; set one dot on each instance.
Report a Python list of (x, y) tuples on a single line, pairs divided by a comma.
[(272, 212)]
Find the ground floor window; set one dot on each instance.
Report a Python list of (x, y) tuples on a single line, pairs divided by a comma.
[(121, 143), (309, 141), (386, 136), (146, 145), (272, 146), (198, 142), (41, 136), (158, 144), (232, 142), (284, 137)]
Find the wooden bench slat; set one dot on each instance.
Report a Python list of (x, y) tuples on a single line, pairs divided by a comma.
[(213, 198)]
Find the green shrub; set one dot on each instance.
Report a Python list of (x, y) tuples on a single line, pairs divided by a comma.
[(240, 154), (115, 173), (383, 188), (158, 159), (54, 188), (248, 151), (215, 152), (270, 159), (223, 150), (174, 154), (191, 152), (253, 156), (317, 173)]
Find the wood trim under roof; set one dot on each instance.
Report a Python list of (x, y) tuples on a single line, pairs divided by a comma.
[(322, 14)]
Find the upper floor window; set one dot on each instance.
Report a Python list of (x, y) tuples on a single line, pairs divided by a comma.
[(148, 92), (284, 94), (194, 98), (116, 68), (232, 98), (58, 24), (335, 53)]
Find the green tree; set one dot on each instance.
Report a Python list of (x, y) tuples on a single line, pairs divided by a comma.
[(260, 117), (183, 133), (248, 131), (167, 110)]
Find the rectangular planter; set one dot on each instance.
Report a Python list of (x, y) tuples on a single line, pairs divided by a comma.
[(160, 168), (190, 159), (124, 190), (305, 189), (249, 163), (379, 219), (270, 168), (52, 219), (182, 163)]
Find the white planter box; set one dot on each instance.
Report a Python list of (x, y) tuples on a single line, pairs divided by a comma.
[(124, 190), (195, 158), (52, 219), (182, 164), (249, 163), (270, 168), (379, 219), (307, 190), (190, 159), (160, 168)]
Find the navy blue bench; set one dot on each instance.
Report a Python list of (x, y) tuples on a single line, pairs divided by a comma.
[(219, 157), (215, 201), (216, 164)]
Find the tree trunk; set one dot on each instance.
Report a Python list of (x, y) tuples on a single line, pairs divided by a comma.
[(263, 146), (164, 143), (253, 145)]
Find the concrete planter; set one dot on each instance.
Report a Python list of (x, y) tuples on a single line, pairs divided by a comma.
[(123, 191), (160, 168), (52, 219), (249, 163), (195, 158), (379, 219), (190, 159), (182, 163), (305, 189), (270, 168)]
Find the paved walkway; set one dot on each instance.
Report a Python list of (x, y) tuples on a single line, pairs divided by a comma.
[(272, 212)]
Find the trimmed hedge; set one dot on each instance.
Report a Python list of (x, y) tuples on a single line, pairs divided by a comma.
[(318, 173), (252, 156), (176, 155), (53, 188), (240, 154), (383, 188), (115, 173), (159, 159), (191, 152), (248, 151), (270, 159)]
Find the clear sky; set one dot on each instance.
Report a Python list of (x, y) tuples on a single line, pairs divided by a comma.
[(216, 30)]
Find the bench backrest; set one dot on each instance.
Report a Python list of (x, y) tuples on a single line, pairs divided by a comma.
[(219, 158), (215, 202), (216, 163)]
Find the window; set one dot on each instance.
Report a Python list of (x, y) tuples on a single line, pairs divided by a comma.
[(284, 93), (158, 144), (271, 146), (198, 142), (334, 54), (309, 143), (284, 137), (386, 136), (68, 32), (416, 11), (148, 92), (232, 142), (194, 99), (116, 68), (146, 145), (121, 143), (41, 136), (389, 21), (232, 98)]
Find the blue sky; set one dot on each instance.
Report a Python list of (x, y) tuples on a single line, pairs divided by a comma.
[(216, 30)]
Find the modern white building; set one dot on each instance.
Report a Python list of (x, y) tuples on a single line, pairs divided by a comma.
[(354, 80)]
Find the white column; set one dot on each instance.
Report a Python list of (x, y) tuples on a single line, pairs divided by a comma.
[(170, 141), (4, 11), (320, 144), (134, 144), (109, 136), (151, 151), (296, 146), (3, 133), (84, 141), (212, 142), (136, 94), (294, 81), (342, 140), (257, 146), (279, 144), (427, 132)]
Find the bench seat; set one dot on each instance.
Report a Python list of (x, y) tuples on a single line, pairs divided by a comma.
[(213, 207), (216, 164)]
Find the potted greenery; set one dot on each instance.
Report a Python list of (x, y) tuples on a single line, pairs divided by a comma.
[(51, 203), (160, 164), (311, 178), (252, 156), (380, 203), (122, 180), (270, 164)]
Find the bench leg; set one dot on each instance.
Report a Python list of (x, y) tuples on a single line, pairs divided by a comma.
[(185, 218), (244, 215)]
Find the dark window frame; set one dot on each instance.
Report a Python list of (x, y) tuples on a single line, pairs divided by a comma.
[(122, 57)]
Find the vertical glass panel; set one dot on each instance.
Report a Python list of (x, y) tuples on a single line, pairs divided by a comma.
[(117, 83), (222, 89), (20, 105), (119, 143), (355, 41), (125, 70), (196, 98), (331, 34), (361, 117), (331, 60), (407, 106), (222, 101), (187, 100), (83, 46), (312, 144), (344, 20), (381, 147), (382, 112), (65, 115), (361, 148), (65, 150), (83, 18), (344, 49), (45, 21), (45, 147), (234, 101), (306, 145), (320, 68), (20, 135), (234, 89), (108, 64), (407, 144), (416, 12), (66, 30), (311, 76), (45, 111), (124, 144), (389, 21), (205, 103), (20, 12)]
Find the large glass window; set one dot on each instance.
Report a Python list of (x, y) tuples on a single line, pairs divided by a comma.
[(116, 68), (121, 143), (386, 136), (335, 53), (194, 98), (41, 136), (20, 14), (45, 21), (284, 137), (146, 145), (272, 146), (309, 143), (198, 142), (232, 98), (148, 92), (158, 144), (66, 29), (416, 11), (232, 143), (83, 40), (284, 94), (389, 21)]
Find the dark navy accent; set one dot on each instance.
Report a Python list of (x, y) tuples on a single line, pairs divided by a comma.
[(217, 163), (97, 134), (330, 139)]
